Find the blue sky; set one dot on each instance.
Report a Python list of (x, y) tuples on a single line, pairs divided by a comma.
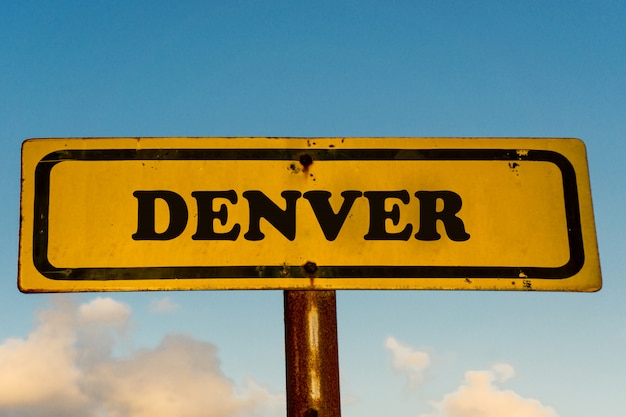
[(367, 68)]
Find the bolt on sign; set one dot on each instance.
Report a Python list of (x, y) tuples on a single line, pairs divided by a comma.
[(123, 214)]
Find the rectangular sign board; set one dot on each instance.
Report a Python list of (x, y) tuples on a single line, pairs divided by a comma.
[(126, 214)]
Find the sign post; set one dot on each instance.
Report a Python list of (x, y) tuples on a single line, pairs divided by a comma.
[(307, 216), (311, 354)]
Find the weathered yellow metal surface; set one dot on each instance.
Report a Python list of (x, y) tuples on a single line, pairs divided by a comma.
[(124, 214)]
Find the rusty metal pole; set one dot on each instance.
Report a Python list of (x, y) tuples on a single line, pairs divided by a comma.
[(311, 352)]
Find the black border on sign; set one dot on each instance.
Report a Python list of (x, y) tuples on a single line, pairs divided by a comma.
[(42, 196)]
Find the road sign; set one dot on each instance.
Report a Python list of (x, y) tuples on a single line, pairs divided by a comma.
[(122, 214)]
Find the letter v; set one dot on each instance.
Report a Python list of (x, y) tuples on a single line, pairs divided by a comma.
[(329, 221)]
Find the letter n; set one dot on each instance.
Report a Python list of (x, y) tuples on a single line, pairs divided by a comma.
[(261, 206)]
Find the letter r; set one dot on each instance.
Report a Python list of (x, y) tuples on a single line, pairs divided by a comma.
[(429, 216)]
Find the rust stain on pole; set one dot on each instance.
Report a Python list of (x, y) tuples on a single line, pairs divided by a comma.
[(311, 351)]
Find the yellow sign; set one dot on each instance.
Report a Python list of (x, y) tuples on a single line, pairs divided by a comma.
[(129, 214)]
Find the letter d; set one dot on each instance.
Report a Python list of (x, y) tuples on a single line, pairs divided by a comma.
[(146, 215)]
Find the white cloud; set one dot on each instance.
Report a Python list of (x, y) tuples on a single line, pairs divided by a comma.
[(406, 359), (502, 372), (42, 368), (479, 396), (180, 377), (104, 310), (163, 305), (65, 368)]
